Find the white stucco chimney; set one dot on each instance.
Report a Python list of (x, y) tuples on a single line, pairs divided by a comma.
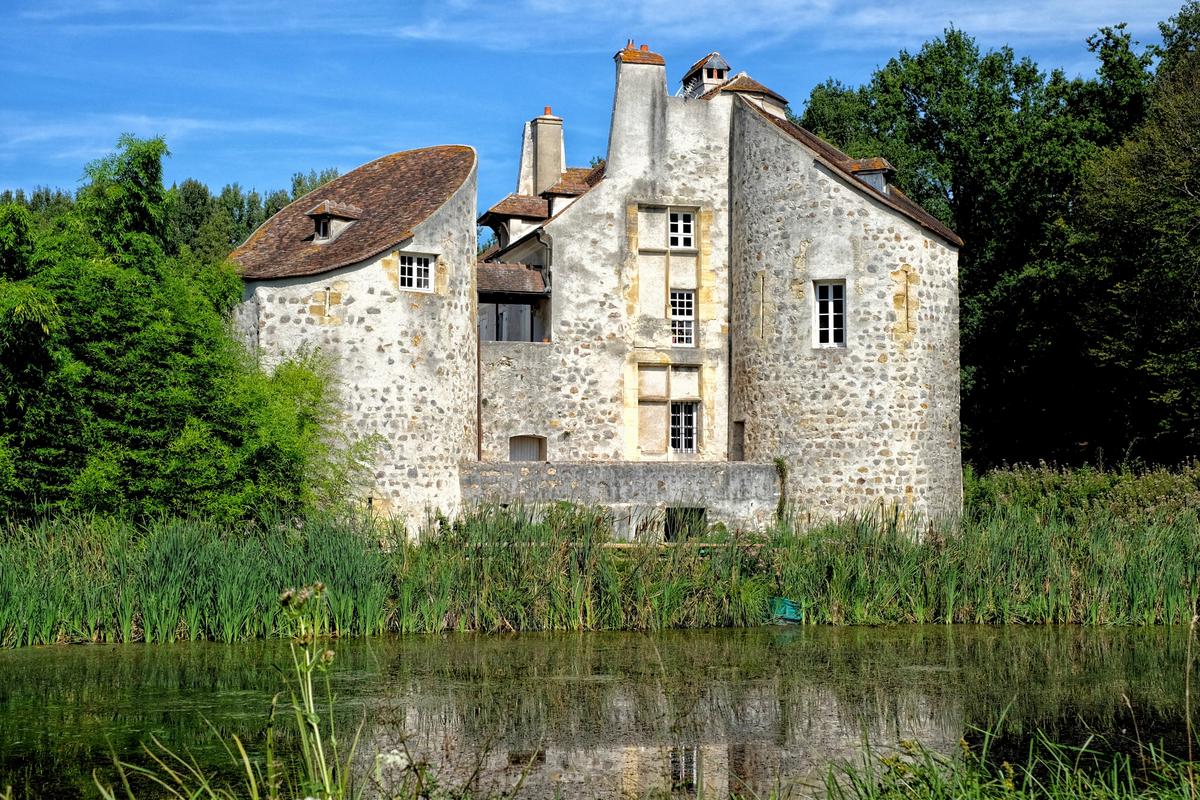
[(549, 159), (637, 136)]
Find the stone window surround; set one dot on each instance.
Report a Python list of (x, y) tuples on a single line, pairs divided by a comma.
[(832, 344), (667, 205), (672, 396)]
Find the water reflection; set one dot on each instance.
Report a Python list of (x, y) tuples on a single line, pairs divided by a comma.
[(602, 714)]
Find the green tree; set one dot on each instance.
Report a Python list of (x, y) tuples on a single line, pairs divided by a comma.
[(122, 388), (191, 206), (1139, 227), (303, 183), (993, 146)]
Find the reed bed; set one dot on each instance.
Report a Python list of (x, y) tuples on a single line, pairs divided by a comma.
[(76, 579)]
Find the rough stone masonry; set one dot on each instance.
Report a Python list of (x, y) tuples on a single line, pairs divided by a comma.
[(725, 312)]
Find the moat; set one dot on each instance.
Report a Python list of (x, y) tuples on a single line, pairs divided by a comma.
[(606, 714)]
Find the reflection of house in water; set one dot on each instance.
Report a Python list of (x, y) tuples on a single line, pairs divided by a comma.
[(728, 742)]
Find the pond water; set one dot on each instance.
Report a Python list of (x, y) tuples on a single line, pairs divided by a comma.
[(605, 714)]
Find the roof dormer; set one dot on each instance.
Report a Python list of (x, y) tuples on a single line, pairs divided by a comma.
[(706, 74), (330, 218), (876, 172)]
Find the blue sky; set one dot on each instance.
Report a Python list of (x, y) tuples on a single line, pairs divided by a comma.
[(251, 92)]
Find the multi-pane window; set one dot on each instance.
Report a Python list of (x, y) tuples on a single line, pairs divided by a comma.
[(683, 317), (679, 229), (414, 273), (683, 426), (831, 313)]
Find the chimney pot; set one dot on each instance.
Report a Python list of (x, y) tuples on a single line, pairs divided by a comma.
[(629, 45), (645, 48), (546, 112)]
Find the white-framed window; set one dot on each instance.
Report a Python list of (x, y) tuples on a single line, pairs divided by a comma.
[(323, 227), (680, 229), (830, 298), (683, 317), (684, 419), (414, 273)]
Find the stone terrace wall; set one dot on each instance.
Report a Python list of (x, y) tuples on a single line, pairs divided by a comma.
[(738, 494)]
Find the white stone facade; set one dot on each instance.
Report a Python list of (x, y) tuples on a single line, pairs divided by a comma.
[(604, 378)]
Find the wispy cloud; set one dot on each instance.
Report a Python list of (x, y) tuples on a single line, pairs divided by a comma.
[(601, 25), (76, 138)]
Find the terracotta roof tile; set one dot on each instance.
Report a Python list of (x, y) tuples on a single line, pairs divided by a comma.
[(631, 55), (574, 181), (837, 160), (745, 84), (874, 164), (334, 209), (395, 194), (526, 206), (597, 174), (498, 277)]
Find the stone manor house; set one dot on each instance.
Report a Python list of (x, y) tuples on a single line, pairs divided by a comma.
[(725, 313)]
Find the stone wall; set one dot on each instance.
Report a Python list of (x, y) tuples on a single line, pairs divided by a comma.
[(740, 495), (580, 390), (405, 360), (876, 422)]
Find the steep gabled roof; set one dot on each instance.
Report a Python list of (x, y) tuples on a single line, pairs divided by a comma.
[(838, 161), (393, 194), (713, 60), (743, 83), (498, 277), (329, 208), (577, 180), (525, 206)]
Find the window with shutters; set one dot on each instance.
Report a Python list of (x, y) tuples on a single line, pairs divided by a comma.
[(527, 448)]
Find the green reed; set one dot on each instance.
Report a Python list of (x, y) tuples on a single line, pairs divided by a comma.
[(1049, 770), (1011, 560)]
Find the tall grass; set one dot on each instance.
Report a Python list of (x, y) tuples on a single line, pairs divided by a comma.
[(1049, 770), (1017, 557)]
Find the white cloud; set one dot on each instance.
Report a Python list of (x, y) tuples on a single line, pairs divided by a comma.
[(603, 25)]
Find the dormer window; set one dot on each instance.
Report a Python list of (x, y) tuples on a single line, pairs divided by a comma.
[(330, 218), (705, 75)]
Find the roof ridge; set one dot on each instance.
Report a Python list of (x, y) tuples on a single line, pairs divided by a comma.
[(840, 162), (395, 193)]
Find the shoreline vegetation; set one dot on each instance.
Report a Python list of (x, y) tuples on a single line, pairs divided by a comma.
[(1035, 546)]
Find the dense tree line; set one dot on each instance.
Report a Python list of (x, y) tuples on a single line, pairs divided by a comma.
[(122, 387), (209, 225), (1079, 202)]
